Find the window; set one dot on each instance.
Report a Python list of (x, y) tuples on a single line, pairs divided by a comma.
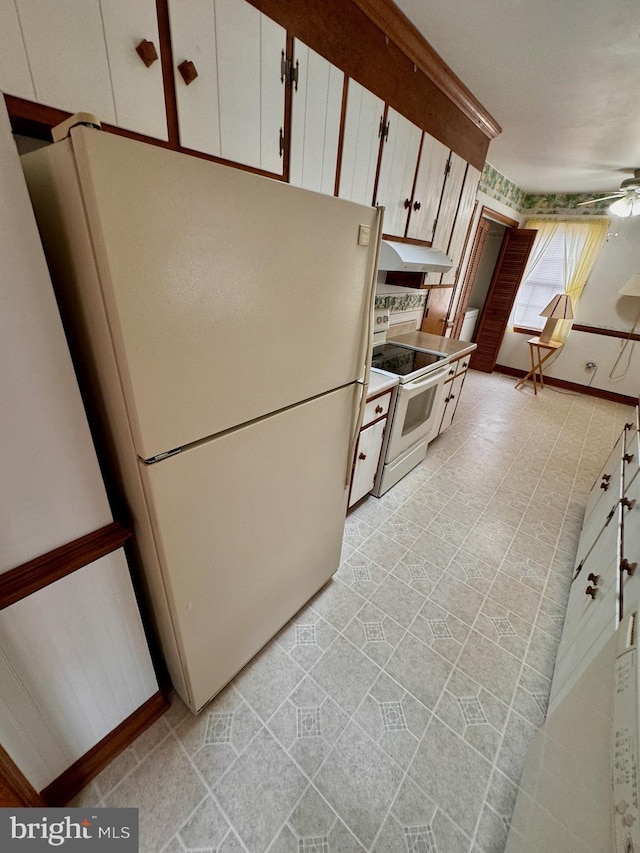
[(547, 273)]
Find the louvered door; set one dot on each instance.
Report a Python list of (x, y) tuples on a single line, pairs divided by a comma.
[(506, 279)]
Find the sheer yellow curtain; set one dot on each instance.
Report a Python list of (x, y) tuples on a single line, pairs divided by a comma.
[(576, 275)]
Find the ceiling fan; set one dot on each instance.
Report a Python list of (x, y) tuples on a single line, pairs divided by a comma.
[(628, 197)]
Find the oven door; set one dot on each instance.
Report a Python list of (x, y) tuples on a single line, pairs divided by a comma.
[(415, 412)]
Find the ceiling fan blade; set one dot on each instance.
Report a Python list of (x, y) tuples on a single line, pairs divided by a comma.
[(603, 198)]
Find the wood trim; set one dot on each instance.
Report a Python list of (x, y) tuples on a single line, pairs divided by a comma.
[(493, 216), (385, 113), (87, 767), (522, 330), (15, 789), (343, 118), (609, 333), (287, 129), (34, 575), (475, 256), (413, 187), (168, 78), (588, 390), (413, 240), (412, 43)]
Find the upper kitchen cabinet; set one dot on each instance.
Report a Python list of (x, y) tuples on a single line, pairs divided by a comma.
[(82, 55), (449, 204), (430, 178), (464, 213), (230, 85), (315, 122), (394, 190), (360, 144)]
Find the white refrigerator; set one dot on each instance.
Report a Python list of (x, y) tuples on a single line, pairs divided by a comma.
[(221, 325)]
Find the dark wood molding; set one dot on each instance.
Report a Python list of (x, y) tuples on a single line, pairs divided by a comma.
[(343, 117), (588, 390), (87, 767), (15, 789), (168, 78), (609, 333), (30, 577), (493, 216), (522, 330), (386, 15)]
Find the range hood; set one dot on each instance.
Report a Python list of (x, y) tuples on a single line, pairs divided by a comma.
[(408, 257)]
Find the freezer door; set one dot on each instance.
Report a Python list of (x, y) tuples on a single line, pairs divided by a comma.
[(228, 295), (248, 526)]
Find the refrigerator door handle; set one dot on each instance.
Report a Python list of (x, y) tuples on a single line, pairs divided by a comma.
[(367, 339)]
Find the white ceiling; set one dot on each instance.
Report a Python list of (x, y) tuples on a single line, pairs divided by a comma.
[(562, 79)]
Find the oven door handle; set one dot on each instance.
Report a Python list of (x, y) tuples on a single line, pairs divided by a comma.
[(431, 379)]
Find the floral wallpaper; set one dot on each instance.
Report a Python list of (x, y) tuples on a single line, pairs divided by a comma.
[(493, 183)]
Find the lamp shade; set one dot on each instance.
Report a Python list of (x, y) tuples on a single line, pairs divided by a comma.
[(629, 205), (632, 287), (559, 308)]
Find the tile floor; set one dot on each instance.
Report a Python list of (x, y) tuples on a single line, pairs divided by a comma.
[(393, 713)]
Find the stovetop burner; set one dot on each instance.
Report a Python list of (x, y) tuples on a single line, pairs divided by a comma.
[(404, 361)]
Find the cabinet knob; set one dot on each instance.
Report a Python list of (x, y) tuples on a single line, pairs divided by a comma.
[(592, 591), (606, 477), (452, 397), (629, 504), (379, 410), (604, 485), (452, 371), (629, 568), (465, 364), (407, 203), (147, 52), (417, 205), (628, 457), (362, 456), (593, 578), (188, 71), (628, 426)]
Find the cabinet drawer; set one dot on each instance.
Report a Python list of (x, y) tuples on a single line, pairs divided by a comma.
[(376, 408)]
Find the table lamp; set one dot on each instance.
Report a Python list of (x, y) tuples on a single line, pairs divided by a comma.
[(632, 287), (559, 308)]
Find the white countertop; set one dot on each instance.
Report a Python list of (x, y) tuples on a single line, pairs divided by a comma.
[(379, 382)]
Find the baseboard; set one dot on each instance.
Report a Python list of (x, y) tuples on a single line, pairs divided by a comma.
[(572, 386), (87, 767)]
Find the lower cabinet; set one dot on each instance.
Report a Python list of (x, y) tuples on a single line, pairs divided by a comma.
[(369, 446), (452, 390), (605, 584)]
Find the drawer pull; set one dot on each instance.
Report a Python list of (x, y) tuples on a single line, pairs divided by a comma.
[(604, 485), (147, 52), (592, 591), (629, 504), (362, 456), (629, 568), (187, 71), (594, 578), (465, 364), (628, 457), (379, 410), (451, 372)]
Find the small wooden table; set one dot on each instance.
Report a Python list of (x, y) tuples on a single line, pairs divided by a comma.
[(535, 344)]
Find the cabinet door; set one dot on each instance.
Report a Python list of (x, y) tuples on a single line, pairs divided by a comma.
[(432, 168), (360, 144), (235, 107), (315, 122), (631, 546), (461, 225), (452, 398), (450, 200), (607, 487), (366, 462), (397, 172), (589, 622), (15, 77), (138, 90), (82, 57), (67, 53)]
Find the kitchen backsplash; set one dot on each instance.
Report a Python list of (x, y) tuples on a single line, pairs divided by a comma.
[(401, 302)]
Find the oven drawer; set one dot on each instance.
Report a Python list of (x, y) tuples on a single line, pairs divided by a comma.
[(376, 408)]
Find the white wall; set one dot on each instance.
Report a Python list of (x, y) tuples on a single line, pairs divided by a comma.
[(599, 306), (73, 657)]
